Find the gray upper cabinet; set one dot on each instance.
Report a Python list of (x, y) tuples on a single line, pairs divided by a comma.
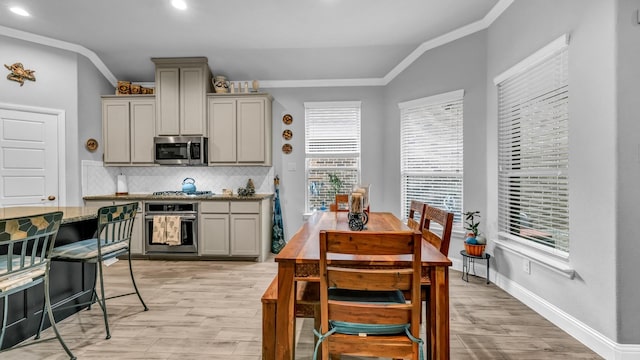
[(239, 129), (182, 85), (128, 123)]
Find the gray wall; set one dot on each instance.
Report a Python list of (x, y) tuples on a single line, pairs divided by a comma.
[(628, 151), (92, 84), (457, 65), (522, 29), (56, 87), (292, 183)]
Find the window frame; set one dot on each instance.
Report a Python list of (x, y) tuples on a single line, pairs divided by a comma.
[(521, 244), (426, 104), (356, 155)]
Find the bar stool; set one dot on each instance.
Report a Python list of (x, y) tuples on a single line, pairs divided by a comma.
[(115, 225), (25, 248)]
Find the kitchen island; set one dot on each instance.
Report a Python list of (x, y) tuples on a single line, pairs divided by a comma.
[(70, 281)]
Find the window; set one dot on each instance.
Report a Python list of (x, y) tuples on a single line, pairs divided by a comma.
[(431, 152), (533, 150), (332, 146)]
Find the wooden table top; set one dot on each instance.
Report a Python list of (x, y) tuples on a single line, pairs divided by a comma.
[(304, 246)]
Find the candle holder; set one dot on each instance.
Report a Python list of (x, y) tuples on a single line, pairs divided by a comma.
[(358, 218)]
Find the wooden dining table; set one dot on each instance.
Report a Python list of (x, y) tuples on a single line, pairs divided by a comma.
[(299, 261)]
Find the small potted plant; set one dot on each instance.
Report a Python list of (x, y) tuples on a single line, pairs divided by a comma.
[(336, 183), (474, 243)]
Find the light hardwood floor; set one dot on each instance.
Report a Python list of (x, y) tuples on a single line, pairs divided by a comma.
[(211, 310)]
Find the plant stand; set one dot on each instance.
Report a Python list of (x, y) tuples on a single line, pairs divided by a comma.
[(470, 260)]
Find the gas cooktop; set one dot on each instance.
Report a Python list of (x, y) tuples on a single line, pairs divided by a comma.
[(182, 193)]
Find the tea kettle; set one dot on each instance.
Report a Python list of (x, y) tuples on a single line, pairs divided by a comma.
[(188, 186)]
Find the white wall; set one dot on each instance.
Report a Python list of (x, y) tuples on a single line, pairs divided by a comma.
[(525, 27), (56, 87)]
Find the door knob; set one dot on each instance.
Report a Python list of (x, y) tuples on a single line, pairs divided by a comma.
[(51, 197)]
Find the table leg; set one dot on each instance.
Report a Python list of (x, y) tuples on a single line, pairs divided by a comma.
[(487, 270), (285, 317), (465, 268), (439, 313)]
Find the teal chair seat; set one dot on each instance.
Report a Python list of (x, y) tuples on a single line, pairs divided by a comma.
[(11, 280), (88, 249)]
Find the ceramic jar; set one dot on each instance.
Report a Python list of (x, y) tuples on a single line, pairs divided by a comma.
[(220, 84)]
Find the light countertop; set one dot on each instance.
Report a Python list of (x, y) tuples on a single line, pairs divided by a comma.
[(151, 197)]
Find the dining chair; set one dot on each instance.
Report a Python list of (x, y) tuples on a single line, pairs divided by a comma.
[(25, 248), (440, 240), (416, 207), (341, 203), (362, 309), (115, 225)]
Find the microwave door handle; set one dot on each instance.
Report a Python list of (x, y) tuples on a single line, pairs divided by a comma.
[(189, 152)]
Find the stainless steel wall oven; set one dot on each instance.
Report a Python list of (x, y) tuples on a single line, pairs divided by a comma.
[(188, 233)]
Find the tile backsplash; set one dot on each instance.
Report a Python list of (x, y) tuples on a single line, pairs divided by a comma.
[(100, 180)]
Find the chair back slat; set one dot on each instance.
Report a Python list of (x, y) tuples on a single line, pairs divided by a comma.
[(115, 223), (386, 279), (375, 243), (445, 220), (25, 241), (415, 219), (387, 314)]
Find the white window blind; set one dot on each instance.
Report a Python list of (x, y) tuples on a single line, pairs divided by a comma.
[(533, 152), (432, 151), (332, 128), (332, 146)]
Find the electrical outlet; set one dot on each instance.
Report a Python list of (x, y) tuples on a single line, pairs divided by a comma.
[(526, 266)]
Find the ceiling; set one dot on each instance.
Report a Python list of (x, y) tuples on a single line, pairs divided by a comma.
[(269, 40)]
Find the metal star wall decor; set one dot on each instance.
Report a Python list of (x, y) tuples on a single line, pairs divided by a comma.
[(19, 73)]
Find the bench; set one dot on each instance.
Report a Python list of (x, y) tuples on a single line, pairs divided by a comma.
[(307, 306)]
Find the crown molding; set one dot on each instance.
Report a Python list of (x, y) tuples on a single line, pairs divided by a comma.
[(479, 25), (43, 40), (456, 34)]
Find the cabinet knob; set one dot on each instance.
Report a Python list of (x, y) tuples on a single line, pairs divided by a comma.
[(51, 197)]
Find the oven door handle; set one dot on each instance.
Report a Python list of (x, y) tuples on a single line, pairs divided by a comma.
[(183, 217)]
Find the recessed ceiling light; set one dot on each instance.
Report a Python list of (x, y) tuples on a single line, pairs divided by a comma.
[(179, 4), (20, 11)]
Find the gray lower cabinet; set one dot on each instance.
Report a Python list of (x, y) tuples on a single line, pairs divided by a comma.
[(214, 228), (234, 228), (137, 235)]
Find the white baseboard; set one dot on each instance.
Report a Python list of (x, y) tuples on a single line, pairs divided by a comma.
[(591, 338)]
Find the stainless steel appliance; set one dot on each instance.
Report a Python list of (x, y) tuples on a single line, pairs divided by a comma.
[(188, 213), (181, 150)]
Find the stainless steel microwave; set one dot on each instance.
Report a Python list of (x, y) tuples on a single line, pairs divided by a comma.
[(180, 150)]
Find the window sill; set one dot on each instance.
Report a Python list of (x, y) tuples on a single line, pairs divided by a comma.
[(550, 262)]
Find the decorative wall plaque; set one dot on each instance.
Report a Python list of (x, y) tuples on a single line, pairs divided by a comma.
[(287, 148), (287, 119), (287, 134), (19, 73), (92, 145)]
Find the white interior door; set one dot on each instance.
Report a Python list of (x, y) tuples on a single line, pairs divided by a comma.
[(29, 168)]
